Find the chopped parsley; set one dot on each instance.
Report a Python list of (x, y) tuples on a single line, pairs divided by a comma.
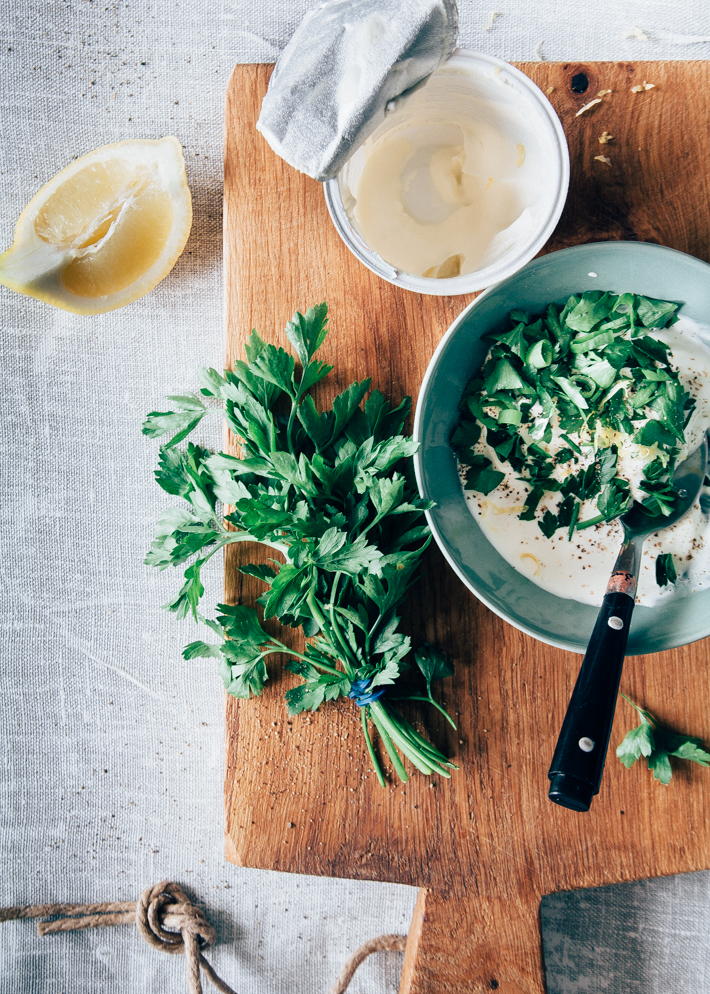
[(575, 374), (665, 570)]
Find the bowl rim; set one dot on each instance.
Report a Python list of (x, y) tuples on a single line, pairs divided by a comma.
[(418, 430), (493, 274)]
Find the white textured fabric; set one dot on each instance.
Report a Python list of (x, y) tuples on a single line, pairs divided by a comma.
[(112, 745)]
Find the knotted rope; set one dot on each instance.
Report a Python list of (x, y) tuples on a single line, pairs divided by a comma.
[(164, 907)]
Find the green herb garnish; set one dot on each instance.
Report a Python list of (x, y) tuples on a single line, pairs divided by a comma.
[(657, 744), (585, 369), (665, 570), (333, 492)]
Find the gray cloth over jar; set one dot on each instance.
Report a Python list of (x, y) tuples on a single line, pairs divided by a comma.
[(345, 62)]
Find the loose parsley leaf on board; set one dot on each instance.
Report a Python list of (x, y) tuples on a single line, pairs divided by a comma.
[(333, 493), (657, 744)]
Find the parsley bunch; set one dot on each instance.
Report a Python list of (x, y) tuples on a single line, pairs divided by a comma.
[(590, 364), (333, 492), (657, 744)]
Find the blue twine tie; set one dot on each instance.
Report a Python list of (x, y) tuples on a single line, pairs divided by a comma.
[(359, 692)]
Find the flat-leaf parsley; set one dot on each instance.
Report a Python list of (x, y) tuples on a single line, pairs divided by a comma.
[(657, 744), (333, 492)]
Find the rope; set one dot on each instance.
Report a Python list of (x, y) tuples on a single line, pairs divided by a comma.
[(165, 916), (383, 943), (169, 922)]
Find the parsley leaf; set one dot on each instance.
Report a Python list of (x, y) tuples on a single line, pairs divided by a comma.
[(466, 435), (657, 744), (481, 477), (637, 742), (515, 340), (177, 423), (665, 569), (548, 524), (198, 649), (572, 392), (592, 308), (655, 313), (307, 332), (614, 499), (654, 432), (503, 377)]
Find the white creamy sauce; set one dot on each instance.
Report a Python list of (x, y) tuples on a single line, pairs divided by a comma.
[(453, 179), (580, 569)]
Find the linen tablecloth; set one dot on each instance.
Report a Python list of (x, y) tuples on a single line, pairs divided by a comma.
[(112, 762)]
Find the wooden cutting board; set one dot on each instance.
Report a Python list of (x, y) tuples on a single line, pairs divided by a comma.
[(484, 847)]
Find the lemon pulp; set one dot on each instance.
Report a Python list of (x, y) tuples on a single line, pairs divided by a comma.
[(105, 230)]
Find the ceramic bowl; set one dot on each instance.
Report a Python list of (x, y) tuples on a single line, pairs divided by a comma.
[(501, 85), (638, 267)]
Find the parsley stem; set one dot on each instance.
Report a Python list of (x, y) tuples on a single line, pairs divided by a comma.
[(572, 444), (336, 581), (292, 417), (349, 658), (364, 712), (427, 760), (212, 553), (368, 637), (315, 609), (429, 700), (231, 537), (346, 657), (289, 427), (335, 624), (645, 715), (377, 718), (308, 659), (416, 741), (581, 525)]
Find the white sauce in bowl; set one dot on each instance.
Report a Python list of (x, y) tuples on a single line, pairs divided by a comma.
[(580, 569)]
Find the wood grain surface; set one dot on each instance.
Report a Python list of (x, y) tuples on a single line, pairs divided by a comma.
[(484, 847)]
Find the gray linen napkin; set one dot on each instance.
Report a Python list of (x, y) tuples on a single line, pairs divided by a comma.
[(646, 937)]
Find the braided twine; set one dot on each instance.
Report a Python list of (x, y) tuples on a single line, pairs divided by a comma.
[(171, 923)]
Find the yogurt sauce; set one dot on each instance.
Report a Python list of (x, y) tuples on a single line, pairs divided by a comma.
[(453, 179), (580, 569)]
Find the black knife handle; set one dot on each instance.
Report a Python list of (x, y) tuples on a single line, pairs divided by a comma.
[(578, 762)]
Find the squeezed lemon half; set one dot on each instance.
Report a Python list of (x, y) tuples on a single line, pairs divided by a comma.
[(105, 230)]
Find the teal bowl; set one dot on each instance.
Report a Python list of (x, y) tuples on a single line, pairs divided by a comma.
[(636, 267)]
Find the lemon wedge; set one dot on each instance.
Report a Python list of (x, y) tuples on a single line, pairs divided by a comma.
[(105, 230)]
